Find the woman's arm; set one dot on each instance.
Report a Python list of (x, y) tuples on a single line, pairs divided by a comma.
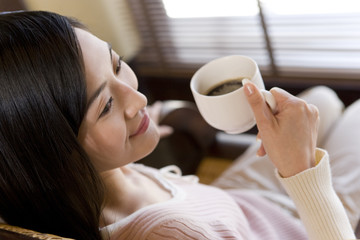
[(319, 207), (289, 139)]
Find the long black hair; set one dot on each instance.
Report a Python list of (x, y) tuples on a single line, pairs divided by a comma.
[(47, 182)]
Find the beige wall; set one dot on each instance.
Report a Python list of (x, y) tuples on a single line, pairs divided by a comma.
[(110, 20)]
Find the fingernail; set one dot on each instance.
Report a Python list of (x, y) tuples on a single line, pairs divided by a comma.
[(245, 81), (248, 87)]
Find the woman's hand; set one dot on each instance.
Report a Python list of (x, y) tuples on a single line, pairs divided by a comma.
[(288, 136), (154, 111)]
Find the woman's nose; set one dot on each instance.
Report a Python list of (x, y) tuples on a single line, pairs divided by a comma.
[(135, 102)]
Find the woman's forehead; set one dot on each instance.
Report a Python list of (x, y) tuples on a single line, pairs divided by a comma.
[(97, 57), (89, 43)]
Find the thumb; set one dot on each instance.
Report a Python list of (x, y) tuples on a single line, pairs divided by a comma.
[(261, 110)]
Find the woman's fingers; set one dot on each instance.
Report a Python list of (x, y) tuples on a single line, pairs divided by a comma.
[(165, 131), (261, 151), (154, 113), (261, 110)]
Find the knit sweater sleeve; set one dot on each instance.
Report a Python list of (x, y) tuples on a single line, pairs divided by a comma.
[(318, 205)]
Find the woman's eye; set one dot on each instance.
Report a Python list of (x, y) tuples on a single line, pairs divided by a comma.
[(107, 107), (118, 66)]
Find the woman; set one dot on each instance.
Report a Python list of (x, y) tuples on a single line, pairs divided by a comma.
[(73, 122)]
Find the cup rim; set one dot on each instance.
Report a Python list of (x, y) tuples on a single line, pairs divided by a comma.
[(192, 81)]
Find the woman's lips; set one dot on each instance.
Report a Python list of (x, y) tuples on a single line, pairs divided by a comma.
[(144, 124)]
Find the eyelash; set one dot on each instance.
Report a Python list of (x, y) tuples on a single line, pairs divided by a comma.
[(118, 66), (107, 107)]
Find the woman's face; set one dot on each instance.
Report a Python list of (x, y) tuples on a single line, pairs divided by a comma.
[(116, 129)]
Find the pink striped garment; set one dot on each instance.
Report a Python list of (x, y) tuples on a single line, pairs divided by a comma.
[(198, 211)]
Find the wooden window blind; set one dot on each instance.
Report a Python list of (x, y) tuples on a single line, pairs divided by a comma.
[(324, 45)]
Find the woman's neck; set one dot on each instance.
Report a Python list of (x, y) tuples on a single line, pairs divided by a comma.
[(126, 191)]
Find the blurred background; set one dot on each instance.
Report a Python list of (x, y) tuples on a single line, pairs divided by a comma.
[(297, 44)]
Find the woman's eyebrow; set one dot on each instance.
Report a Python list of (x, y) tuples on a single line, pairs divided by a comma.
[(96, 94), (110, 50)]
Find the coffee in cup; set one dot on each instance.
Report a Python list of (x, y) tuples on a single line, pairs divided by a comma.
[(225, 87)]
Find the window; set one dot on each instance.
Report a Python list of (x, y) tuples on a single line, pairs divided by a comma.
[(304, 38)]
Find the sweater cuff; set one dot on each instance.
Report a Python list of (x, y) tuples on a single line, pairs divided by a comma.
[(318, 205)]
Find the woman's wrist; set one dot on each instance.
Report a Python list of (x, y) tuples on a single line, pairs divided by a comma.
[(289, 170), (303, 165)]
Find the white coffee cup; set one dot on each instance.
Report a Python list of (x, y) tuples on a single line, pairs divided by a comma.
[(229, 112)]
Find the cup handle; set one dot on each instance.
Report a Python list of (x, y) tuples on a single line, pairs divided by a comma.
[(270, 100)]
